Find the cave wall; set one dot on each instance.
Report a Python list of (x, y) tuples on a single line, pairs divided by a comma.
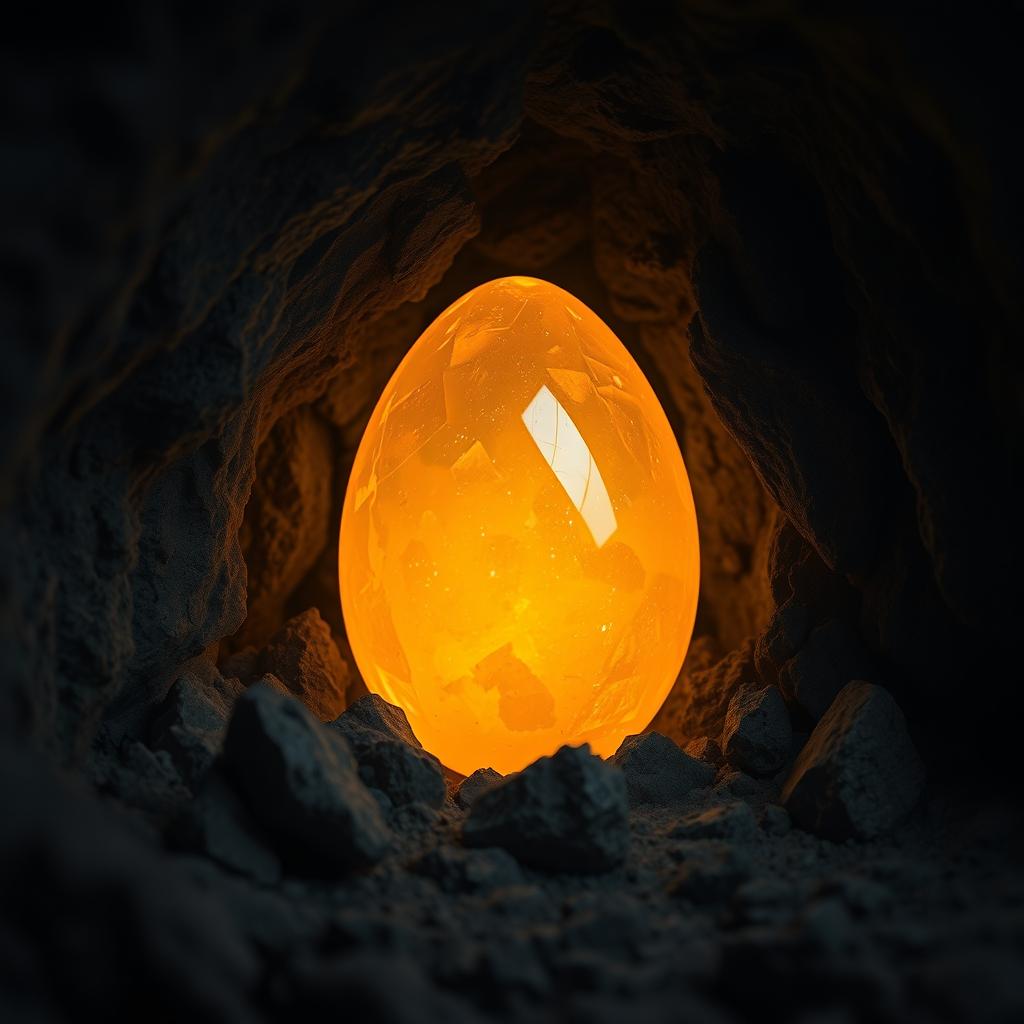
[(806, 242)]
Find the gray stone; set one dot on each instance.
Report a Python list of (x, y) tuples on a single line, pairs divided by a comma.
[(302, 783), (859, 775), (705, 749), (303, 655), (733, 782), (191, 722), (657, 771), (390, 757), (775, 820), (138, 777), (734, 821), (218, 824), (567, 812), (711, 872), (475, 785), (862, 897), (757, 732), (764, 900), (458, 870)]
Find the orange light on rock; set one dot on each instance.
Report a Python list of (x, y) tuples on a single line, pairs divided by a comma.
[(519, 560)]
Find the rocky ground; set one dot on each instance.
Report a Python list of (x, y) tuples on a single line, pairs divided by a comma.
[(251, 862)]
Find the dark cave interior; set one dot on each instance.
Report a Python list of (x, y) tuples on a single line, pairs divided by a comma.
[(223, 230)]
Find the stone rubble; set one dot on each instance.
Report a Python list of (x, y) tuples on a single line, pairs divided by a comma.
[(657, 771), (859, 775), (567, 812), (301, 782), (757, 733), (391, 759)]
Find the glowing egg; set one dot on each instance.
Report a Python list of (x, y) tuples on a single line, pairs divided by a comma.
[(519, 559)]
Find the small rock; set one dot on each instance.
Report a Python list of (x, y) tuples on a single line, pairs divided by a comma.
[(390, 757), (734, 821), (191, 722), (830, 657), (775, 820), (764, 901), (757, 731), (710, 873), (458, 870), (301, 782), (657, 771), (473, 787), (859, 775), (568, 812), (143, 779), (862, 897), (737, 783), (218, 824), (705, 749), (824, 927), (303, 655)]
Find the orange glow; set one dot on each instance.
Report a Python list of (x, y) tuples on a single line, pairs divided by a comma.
[(519, 559)]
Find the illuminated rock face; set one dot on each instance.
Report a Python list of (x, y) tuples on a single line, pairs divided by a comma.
[(519, 560)]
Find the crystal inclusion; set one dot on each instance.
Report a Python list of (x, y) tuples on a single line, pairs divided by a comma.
[(519, 560)]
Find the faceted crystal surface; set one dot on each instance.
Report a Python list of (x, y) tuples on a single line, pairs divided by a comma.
[(519, 560)]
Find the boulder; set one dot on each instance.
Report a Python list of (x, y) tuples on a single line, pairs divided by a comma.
[(301, 782), (859, 775), (567, 812), (391, 759), (657, 771), (757, 733)]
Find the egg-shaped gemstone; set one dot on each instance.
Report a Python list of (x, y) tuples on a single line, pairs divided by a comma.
[(519, 560)]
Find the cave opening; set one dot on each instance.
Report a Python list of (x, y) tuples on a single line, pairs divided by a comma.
[(534, 217), (221, 236)]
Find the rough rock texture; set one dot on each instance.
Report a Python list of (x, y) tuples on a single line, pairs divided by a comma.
[(390, 757), (757, 736), (566, 812), (288, 520), (657, 771), (475, 785), (191, 722), (858, 775), (806, 227), (302, 654), (698, 704), (218, 824), (706, 749), (302, 784)]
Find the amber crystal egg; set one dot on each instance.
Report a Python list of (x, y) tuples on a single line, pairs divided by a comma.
[(519, 560)]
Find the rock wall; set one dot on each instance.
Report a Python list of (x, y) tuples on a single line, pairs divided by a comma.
[(806, 239)]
